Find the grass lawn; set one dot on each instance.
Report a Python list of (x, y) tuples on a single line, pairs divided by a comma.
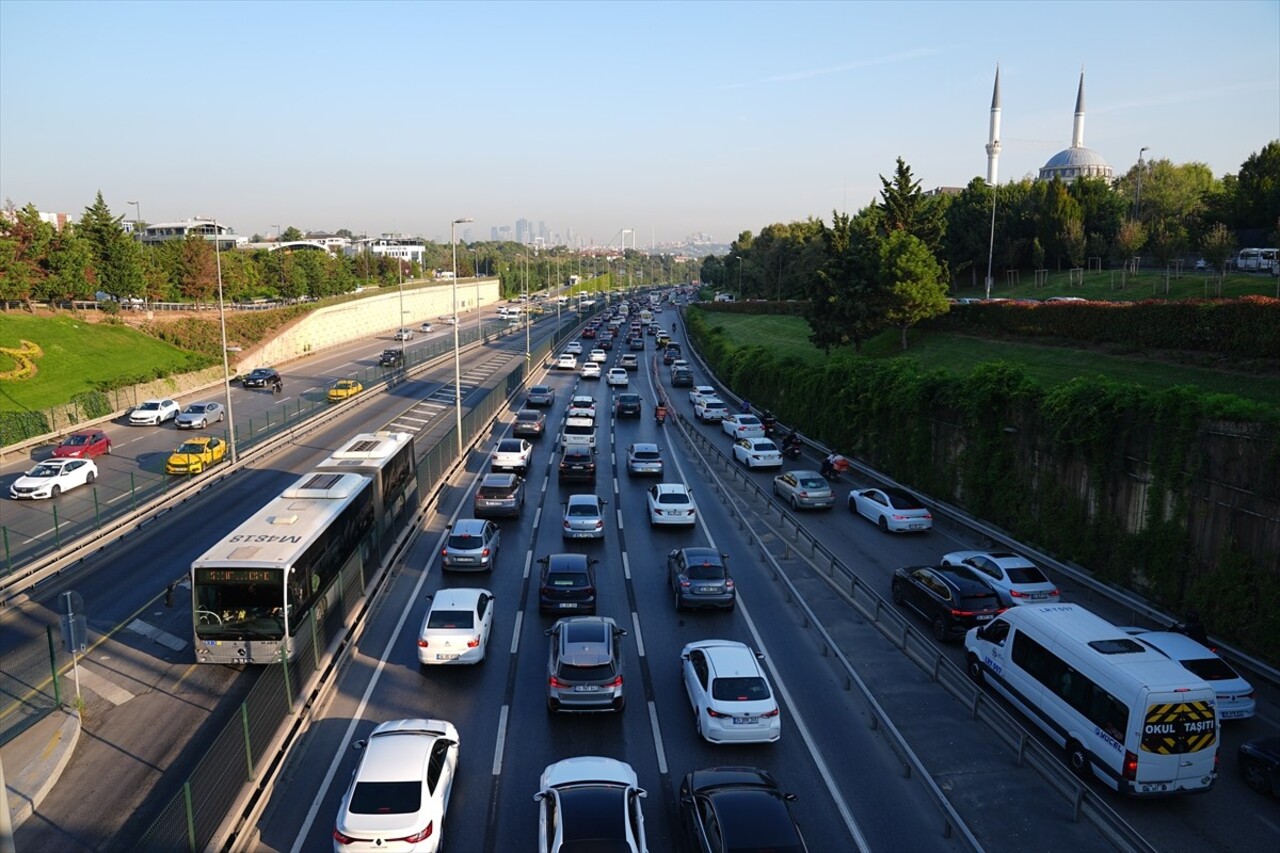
[(1108, 285), (1048, 365), (77, 355)]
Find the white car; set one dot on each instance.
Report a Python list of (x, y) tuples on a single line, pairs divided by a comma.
[(710, 409), (511, 454), (153, 412), (427, 328), (757, 453), (574, 348), (404, 334), (582, 406), (590, 802), (1236, 700), (53, 477), (590, 370), (567, 362), (449, 320), (742, 426), (1016, 579), (583, 517), (671, 503), (893, 510), (399, 793), (599, 356), (617, 376), (457, 626), (700, 391), (731, 698)]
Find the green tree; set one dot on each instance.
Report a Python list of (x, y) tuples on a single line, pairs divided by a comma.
[(70, 267), (1257, 197), (904, 207), (847, 303), (914, 281), (290, 234), (1217, 246), (1129, 240), (116, 262), (968, 230), (198, 281)]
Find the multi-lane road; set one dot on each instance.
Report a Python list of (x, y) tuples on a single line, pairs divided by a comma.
[(852, 791)]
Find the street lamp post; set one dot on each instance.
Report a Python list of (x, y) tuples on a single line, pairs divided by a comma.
[(226, 364), (1137, 195), (137, 215), (457, 363), (400, 328)]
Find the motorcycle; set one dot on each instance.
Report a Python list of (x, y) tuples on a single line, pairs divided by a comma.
[(769, 422), (792, 448), (660, 415)]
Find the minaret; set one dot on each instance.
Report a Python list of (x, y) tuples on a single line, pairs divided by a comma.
[(1077, 130), (993, 146)]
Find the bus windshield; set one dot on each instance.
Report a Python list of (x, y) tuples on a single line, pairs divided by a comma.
[(238, 609)]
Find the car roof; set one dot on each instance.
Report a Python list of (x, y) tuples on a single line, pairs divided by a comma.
[(457, 597), (961, 578), (702, 554), (505, 479), (672, 488), (567, 562), (908, 500), (588, 768), (644, 445), (469, 526), (399, 749), (1177, 646), (727, 657), (583, 499), (713, 777)]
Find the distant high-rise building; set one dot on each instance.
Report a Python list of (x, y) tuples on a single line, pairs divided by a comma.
[(542, 229), (493, 234), (504, 234), (522, 231)]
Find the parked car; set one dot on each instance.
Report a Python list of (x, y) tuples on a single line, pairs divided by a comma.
[(499, 494), (456, 628), (590, 803), (472, 545), (200, 415), (85, 444), (644, 459), (1016, 579), (261, 377), (196, 454), (757, 453), (804, 490), (584, 667), (1259, 762), (738, 808), (626, 405), (567, 583), (1236, 697), (617, 376), (578, 463), (731, 698), (400, 788), (511, 454), (671, 503), (153, 412), (529, 423), (391, 358), (893, 510), (344, 389), (52, 477), (541, 396), (583, 517), (590, 370), (952, 598), (699, 577)]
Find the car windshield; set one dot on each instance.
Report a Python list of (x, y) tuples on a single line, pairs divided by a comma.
[(902, 500), (765, 446), (813, 482), (978, 601), (583, 511), (193, 410), (191, 447), (539, 389), (1210, 669), (75, 441), (568, 580), (149, 406), (386, 797), (462, 619), (672, 498), (706, 572), (509, 447), (495, 491), (527, 416), (45, 471), (465, 542), (747, 688), (1026, 574), (598, 672), (592, 818)]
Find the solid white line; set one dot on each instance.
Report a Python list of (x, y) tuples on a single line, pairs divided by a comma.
[(626, 566), (657, 739), (500, 744), (618, 513), (635, 623), (515, 632), (528, 559)]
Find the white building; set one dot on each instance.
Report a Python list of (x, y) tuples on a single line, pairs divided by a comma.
[(1076, 161), (214, 232), (393, 247)]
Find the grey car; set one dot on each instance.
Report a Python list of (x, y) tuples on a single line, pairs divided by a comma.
[(584, 667), (199, 415), (529, 423), (541, 396), (644, 459), (472, 545), (499, 494), (584, 517), (804, 490), (699, 577)]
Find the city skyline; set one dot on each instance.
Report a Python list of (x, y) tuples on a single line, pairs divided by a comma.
[(663, 120)]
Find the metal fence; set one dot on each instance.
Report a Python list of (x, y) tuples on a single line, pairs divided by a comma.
[(29, 688)]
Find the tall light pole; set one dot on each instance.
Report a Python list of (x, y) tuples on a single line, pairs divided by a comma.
[(137, 215), (226, 364), (1137, 195), (991, 246), (277, 227), (457, 364), (400, 327)]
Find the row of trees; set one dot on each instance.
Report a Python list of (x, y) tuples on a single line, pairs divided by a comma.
[(40, 263), (1179, 209)]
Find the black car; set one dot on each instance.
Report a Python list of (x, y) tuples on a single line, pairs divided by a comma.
[(1260, 764), (670, 354), (578, 464), (738, 808), (261, 377), (626, 405), (529, 423), (953, 598), (567, 584), (699, 577), (391, 358), (605, 342)]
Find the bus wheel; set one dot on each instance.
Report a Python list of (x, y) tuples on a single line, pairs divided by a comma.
[(1078, 759), (974, 669)]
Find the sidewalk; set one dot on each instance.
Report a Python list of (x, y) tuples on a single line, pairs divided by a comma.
[(35, 759)]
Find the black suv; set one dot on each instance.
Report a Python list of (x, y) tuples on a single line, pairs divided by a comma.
[(626, 405), (391, 358), (567, 584), (261, 377), (681, 377), (578, 463), (953, 598)]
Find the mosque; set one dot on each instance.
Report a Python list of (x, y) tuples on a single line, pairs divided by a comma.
[(1068, 164)]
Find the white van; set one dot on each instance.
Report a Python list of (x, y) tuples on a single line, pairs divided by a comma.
[(579, 431), (1123, 713)]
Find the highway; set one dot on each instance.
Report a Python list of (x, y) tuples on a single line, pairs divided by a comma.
[(853, 793)]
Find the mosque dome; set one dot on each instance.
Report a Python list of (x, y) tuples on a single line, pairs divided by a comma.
[(1072, 163)]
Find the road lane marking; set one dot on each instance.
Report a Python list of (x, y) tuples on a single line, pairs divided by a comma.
[(626, 566), (500, 744), (515, 633), (153, 633), (635, 624), (657, 739), (113, 693), (528, 560)]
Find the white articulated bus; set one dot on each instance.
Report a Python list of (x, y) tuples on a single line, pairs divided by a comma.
[(1123, 713), (388, 458)]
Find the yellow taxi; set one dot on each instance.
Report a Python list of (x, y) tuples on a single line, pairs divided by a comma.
[(344, 389), (196, 454)]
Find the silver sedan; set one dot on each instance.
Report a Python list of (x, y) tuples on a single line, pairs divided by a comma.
[(804, 489), (200, 415)]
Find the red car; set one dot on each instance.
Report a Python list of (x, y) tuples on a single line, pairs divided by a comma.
[(83, 445)]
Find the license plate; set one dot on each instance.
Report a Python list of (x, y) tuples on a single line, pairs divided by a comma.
[(446, 657), (585, 688), (493, 503), (917, 526), (568, 605), (746, 721), (709, 590), (464, 559), (984, 617), (1154, 787)]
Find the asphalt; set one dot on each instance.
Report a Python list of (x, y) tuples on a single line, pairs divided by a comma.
[(35, 759)]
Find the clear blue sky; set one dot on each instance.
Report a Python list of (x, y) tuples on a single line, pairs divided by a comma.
[(666, 118)]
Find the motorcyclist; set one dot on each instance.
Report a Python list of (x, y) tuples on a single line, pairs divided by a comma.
[(660, 412), (834, 465), (276, 385), (746, 406)]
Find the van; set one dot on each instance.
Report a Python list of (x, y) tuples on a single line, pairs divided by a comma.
[(579, 431), (1123, 713)]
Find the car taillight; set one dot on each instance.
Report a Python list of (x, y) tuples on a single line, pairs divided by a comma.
[(484, 553), (474, 642), (422, 644), (728, 584), (555, 682), (772, 713), (599, 524), (1013, 593), (566, 524), (714, 713), (1130, 766), (444, 552), (589, 590), (955, 612), (617, 682), (417, 836), (684, 584), (340, 838), (1054, 592)]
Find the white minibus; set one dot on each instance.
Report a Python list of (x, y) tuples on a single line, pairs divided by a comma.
[(1123, 713)]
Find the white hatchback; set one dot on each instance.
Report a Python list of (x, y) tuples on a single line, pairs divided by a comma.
[(731, 698), (617, 376), (456, 628)]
